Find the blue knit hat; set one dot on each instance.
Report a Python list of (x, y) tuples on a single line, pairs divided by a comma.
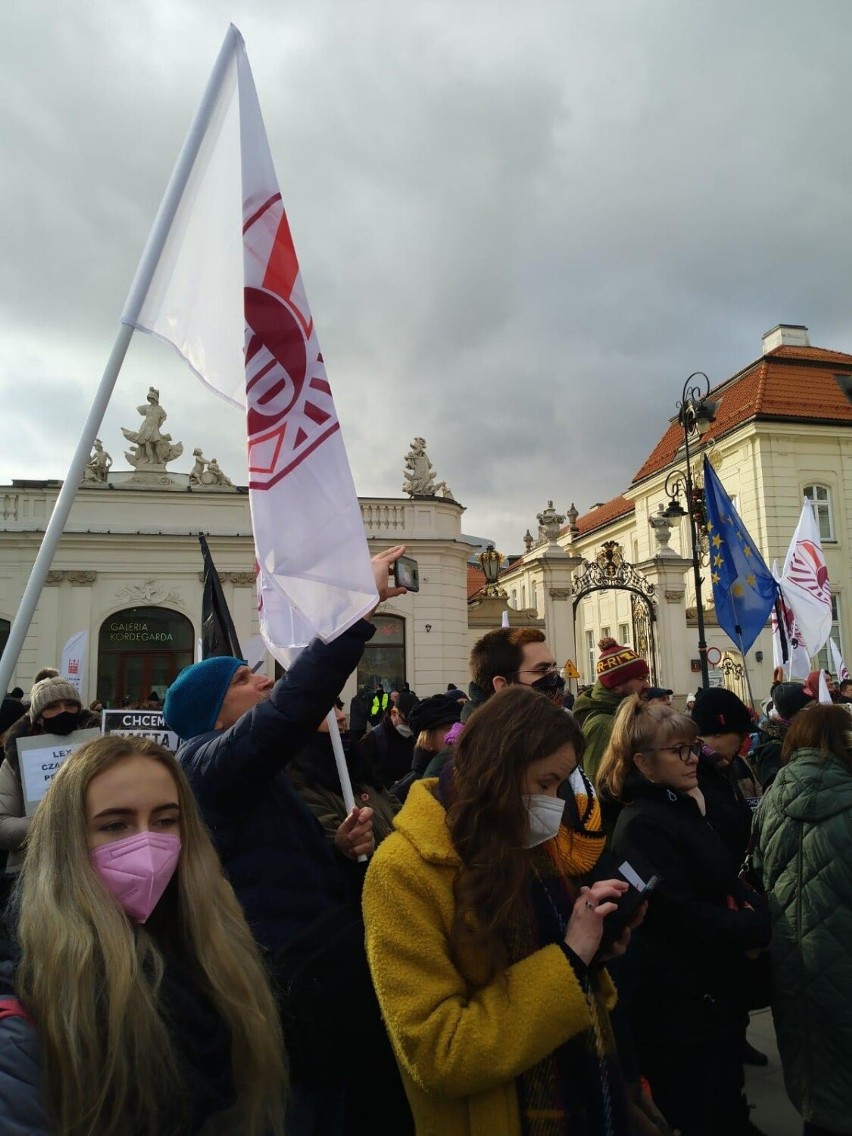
[(194, 699)]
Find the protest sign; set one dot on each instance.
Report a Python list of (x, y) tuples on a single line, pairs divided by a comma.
[(140, 724), (41, 756)]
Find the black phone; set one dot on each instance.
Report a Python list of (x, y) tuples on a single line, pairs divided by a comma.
[(406, 574), (642, 880)]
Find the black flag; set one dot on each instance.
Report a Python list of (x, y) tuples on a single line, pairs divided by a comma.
[(218, 634)]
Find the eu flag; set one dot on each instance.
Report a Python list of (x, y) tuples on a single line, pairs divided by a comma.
[(744, 589)]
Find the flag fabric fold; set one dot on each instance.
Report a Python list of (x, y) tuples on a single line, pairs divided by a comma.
[(218, 634), (839, 666), (788, 650), (744, 589), (228, 294), (805, 582)]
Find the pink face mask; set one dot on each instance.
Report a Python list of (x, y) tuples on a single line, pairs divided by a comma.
[(137, 870)]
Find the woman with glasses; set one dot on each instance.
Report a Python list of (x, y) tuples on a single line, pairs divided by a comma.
[(688, 1008)]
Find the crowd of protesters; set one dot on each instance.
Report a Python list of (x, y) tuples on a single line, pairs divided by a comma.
[(541, 916)]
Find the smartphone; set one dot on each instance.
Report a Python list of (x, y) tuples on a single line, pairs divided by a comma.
[(642, 880), (406, 574)]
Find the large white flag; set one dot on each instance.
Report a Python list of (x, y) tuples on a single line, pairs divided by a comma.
[(228, 294), (798, 662), (839, 666), (805, 583)]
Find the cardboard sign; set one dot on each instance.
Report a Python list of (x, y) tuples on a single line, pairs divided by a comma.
[(140, 724), (41, 756)]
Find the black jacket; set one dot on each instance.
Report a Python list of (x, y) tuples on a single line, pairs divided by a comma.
[(273, 850), (728, 810), (691, 944)]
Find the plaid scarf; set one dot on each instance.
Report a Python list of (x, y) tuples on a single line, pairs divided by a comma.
[(578, 1089)]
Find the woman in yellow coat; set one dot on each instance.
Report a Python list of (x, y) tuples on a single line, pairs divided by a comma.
[(484, 952)]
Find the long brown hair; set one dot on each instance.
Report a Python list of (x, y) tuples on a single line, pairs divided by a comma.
[(487, 816), (638, 728), (827, 729), (91, 978)]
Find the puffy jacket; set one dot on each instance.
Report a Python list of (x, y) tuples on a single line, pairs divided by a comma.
[(595, 711), (22, 1104), (691, 944), (284, 871), (803, 832)]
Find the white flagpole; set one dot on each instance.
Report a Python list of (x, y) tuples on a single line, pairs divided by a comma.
[(342, 768), (138, 289)]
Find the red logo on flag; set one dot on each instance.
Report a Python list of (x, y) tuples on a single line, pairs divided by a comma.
[(808, 570), (73, 666)]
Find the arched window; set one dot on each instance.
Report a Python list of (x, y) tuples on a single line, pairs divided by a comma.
[(140, 650), (820, 499), (534, 597), (523, 595), (515, 598)]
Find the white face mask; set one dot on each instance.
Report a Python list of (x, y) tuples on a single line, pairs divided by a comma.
[(545, 817), (406, 731)]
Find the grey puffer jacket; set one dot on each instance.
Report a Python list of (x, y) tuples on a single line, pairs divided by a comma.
[(803, 852)]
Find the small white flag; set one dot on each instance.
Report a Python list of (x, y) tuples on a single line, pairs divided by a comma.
[(839, 665), (805, 582)]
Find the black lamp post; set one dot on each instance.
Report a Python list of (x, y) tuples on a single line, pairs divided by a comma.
[(696, 415)]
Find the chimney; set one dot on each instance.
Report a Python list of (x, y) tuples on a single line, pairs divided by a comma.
[(786, 335)]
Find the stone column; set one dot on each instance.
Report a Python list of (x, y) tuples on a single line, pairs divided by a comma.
[(675, 643), (555, 574)]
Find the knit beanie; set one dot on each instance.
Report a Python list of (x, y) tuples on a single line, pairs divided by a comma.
[(719, 711), (51, 690), (618, 664), (429, 713), (194, 699), (789, 698)]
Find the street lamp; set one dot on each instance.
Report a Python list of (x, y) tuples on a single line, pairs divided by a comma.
[(490, 561), (696, 415)]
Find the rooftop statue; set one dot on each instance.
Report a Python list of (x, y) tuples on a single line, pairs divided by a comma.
[(419, 478), (98, 465), (152, 449)]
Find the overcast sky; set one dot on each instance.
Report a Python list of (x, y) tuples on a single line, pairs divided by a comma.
[(520, 226)]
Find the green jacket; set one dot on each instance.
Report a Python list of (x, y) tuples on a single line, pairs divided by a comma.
[(803, 832), (595, 712)]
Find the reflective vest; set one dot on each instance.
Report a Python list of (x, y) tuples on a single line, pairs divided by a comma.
[(376, 709)]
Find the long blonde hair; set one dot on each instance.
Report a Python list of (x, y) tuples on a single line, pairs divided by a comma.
[(91, 978), (639, 726)]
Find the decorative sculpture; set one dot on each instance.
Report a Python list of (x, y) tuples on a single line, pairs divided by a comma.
[(152, 450), (206, 473), (419, 478), (444, 491), (549, 523), (98, 465), (662, 527)]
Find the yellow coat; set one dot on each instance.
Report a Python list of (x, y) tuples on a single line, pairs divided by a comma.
[(459, 1045)]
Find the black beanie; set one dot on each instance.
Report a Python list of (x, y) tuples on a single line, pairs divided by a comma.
[(789, 698), (719, 711), (439, 710)]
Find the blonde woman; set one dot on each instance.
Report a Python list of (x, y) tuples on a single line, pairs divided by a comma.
[(146, 1007), (689, 1006)]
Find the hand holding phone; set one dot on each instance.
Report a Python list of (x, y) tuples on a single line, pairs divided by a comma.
[(406, 574)]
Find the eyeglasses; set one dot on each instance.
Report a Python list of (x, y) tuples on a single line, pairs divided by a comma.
[(684, 751), (541, 670)]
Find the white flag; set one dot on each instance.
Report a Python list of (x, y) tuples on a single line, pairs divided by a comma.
[(805, 582), (228, 294), (839, 665), (798, 662), (72, 662)]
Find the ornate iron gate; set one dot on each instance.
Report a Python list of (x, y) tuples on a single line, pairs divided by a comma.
[(609, 571)]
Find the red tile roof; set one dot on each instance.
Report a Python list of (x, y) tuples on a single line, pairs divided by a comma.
[(604, 514), (794, 383), (475, 580)]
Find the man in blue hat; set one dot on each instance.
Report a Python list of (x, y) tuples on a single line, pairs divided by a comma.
[(238, 731)]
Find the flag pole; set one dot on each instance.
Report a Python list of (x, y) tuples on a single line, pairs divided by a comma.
[(135, 298), (342, 768)]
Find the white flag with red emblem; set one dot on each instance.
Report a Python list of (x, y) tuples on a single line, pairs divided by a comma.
[(228, 294), (805, 582), (788, 650)]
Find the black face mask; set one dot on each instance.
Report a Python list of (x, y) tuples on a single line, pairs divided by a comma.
[(551, 685), (62, 724)]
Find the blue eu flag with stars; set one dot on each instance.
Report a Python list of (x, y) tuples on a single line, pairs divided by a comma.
[(744, 589)]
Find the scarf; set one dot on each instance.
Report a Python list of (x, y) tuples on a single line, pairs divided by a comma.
[(581, 838), (577, 1089)]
